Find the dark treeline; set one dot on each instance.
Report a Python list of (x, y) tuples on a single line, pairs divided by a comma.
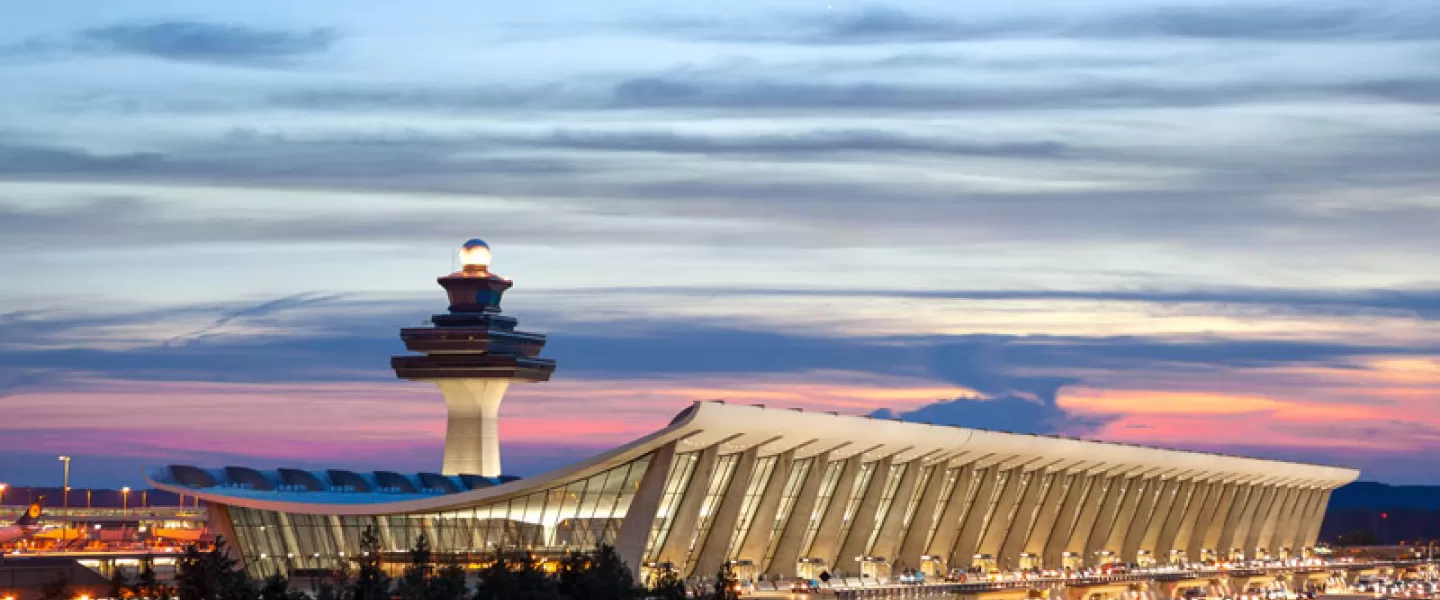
[(597, 575)]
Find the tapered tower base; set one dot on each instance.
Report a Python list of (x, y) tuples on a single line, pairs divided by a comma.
[(472, 429)]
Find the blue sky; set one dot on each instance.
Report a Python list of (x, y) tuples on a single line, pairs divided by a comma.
[(1202, 224)]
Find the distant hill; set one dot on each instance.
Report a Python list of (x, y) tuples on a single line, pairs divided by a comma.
[(1368, 494), (1391, 513)]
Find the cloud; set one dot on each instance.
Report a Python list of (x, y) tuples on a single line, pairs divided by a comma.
[(193, 41), (1420, 302), (1236, 21), (343, 338), (1318, 21), (1004, 413), (806, 143)]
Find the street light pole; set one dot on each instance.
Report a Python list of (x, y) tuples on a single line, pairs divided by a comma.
[(65, 490), (65, 496), (125, 501)]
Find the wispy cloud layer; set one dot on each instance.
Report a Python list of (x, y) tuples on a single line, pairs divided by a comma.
[(1204, 224)]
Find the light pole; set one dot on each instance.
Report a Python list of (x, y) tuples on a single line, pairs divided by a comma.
[(124, 501), (3, 487), (65, 490), (65, 496)]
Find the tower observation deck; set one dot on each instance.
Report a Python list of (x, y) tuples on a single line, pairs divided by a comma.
[(472, 353)]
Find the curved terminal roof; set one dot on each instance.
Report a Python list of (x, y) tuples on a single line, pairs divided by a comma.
[(738, 427), (228, 485)]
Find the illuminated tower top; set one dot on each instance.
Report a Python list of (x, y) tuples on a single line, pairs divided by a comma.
[(472, 353), (473, 340)]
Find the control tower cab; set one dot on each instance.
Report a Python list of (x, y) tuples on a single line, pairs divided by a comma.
[(473, 353)]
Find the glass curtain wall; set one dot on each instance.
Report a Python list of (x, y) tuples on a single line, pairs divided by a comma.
[(675, 483), (827, 493), (798, 472), (574, 515), (756, 488)]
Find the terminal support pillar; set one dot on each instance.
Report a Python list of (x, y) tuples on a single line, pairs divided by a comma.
[(472, 432)]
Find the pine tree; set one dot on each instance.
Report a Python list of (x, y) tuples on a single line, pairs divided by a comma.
[(414, 583), (449, 583), (599, 576), (277, 587), (371, 583), (522, 579), (212, 575), (147, 586)]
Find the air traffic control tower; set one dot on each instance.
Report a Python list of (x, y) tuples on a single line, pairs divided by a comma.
[(472, 353)]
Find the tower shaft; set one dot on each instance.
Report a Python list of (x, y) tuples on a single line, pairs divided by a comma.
[(472, 425)]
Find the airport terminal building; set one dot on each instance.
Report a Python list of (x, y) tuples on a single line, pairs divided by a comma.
[(773, 491)]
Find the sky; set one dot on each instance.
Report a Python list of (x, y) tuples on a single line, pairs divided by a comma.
[(1198, 224)]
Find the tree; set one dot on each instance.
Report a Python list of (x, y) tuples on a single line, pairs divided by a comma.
[(337, 586), (277, 587), (668, 586), (414, 583), (371, 583), (212, 575), (601, 575), (521, 578), (147, 586), (58, 589), (726, 584), (449, 583)]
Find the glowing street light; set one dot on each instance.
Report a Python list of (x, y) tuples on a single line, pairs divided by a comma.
[(125, 500), (65, 491)]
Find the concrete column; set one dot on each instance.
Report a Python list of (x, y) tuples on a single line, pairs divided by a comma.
[(1004, 511), (218, 520), (1247, 496), (1116, 499), (1086, 526), (1051, 504), (1125, 518), (1158, 516), (472, 434), (1312, 529), (682, 524), (891, 528), (1255, 521), (1290, 520), (954, 514), (1316, 507), (722, 524), (913, 546), (827, 539), (640, 516), (787, 550), (1187, 499), (1280, 511), (1211, 526), (962, 555), (1013, 541), (762, 525), (862, 523), (1059, 537)]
